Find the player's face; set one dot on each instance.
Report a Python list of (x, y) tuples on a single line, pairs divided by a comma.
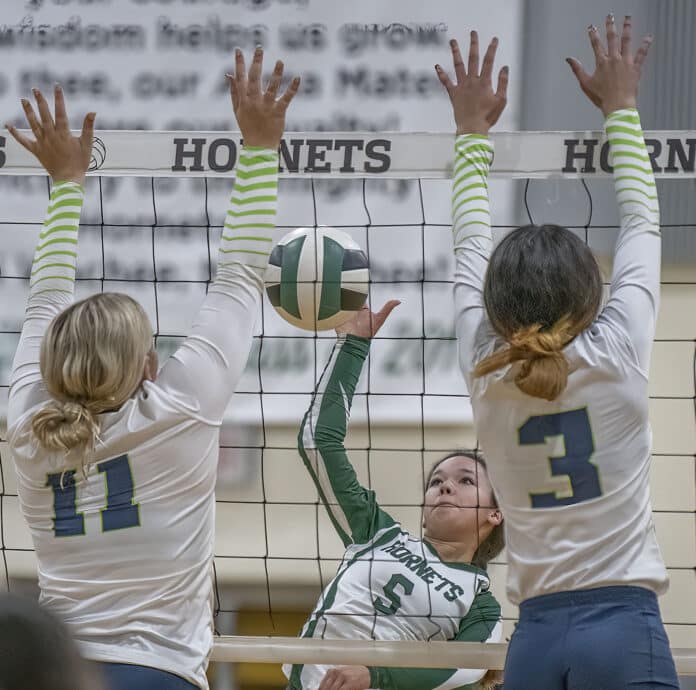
[(458, 499)]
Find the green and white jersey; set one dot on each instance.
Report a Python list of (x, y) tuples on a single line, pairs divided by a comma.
[(125, 547), (571, 474), (391, 585)]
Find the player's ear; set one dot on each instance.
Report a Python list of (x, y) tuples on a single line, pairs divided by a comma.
[(495, 517), (151, 366)]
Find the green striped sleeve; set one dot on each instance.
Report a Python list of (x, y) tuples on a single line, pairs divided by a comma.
[(352, 508), (634, 180), (249, 228), (55, 258), (470, 208)]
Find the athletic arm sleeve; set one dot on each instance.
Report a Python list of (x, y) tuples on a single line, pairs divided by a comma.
[(51, 289), (353, 509), (203, 373), (481, 624), (471, 230), (635, 283)]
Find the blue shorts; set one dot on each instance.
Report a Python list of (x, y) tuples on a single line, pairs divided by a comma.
[(132, 677), (610, 638)]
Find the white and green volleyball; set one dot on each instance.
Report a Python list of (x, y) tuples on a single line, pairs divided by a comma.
[(317, 278)]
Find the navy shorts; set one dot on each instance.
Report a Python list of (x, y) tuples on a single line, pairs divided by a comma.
[(610, 638), (132, 677)]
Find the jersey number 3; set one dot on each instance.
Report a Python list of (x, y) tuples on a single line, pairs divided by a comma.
[(574, 428), (120, 511)]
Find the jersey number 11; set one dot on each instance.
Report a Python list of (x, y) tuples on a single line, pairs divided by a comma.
[(120, 511)]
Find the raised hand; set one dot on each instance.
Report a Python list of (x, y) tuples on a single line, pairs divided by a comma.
[(614, 84), (476, 106), (366, 323), (346, 678), (260, 115), (64, 156)]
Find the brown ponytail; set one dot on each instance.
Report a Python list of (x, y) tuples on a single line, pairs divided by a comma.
[(544, 368)]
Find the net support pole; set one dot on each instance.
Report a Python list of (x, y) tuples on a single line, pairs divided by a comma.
[(401, 653)]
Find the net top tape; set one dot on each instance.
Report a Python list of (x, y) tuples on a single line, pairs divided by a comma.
[(401, 155)]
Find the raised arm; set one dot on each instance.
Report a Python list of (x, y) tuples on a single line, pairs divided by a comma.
[(482, 623), (52, 282), (204, 371), (635, 284), (352, 508), (476, 109)]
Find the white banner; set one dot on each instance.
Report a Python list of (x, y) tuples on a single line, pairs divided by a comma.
[(367, 68), (400, 155)]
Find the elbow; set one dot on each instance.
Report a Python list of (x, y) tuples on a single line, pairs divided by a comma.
[(327, 438)]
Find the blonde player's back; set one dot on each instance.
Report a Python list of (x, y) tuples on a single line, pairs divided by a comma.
[(154, 471)]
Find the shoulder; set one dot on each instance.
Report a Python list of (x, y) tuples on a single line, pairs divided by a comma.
[(605, 345)]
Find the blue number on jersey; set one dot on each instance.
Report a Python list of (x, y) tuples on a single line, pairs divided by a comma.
[(67, 521), (574, 427), (120, 511)]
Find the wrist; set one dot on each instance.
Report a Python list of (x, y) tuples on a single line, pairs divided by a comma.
[(261, 143), (62, 179), (612, 107), (473, 127)]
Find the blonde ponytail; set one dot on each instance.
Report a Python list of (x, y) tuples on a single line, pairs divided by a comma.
[(93, 356), (62, 426), (544, 368)]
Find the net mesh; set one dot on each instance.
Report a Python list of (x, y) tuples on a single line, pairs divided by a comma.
[(156, 239)]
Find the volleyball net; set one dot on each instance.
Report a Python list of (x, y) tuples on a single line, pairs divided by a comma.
[(154, 208)]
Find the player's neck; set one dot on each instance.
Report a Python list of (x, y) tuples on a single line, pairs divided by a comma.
[(453, 551)]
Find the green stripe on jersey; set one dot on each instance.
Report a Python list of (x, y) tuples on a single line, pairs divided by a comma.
[(239, 226), (618, 129), (57, 240), (245, 159), (252, 239), (261, 172), (45, 266), (40, 280), (255, 185), (253, 200)]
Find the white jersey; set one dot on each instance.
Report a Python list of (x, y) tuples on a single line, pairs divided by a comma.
[(572, 474), (390, 585), (125, 547)]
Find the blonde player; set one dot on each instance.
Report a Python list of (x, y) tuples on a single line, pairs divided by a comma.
[(559, 386), (116, 463), (393, 585)]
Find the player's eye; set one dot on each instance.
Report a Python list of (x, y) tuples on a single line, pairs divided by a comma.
[(467, 480), (435, 482)]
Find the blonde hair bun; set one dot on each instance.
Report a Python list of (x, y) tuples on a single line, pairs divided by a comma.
[(61, 426)]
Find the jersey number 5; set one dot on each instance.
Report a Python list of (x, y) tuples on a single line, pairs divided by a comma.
[(389, 608), (120, 511), (574, 428)]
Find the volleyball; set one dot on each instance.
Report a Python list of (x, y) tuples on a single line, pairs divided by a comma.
[(317, 278)]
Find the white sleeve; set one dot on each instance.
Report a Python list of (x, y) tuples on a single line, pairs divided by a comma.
[(635, 283), (51, 289), (206, 368), (471, 230)]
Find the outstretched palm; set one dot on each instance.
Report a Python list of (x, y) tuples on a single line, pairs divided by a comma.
[(64, 156), (614, 83), (476, 106), (260, 115)]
